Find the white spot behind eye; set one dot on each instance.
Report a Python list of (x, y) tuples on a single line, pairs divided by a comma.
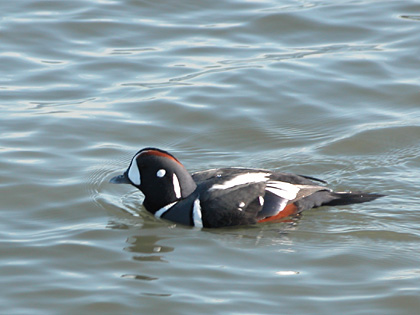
[(161, 173)]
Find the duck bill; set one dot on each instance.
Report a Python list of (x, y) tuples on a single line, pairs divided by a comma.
[(120, 179)]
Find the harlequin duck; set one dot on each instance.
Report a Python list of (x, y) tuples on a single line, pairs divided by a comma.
[(226, 196)]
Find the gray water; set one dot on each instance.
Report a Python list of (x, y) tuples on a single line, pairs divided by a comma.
[(329, 89)]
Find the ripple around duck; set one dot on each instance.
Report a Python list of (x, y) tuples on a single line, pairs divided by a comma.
[(99, 188)]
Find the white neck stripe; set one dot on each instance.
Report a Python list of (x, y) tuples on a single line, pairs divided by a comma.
[(163, 210)]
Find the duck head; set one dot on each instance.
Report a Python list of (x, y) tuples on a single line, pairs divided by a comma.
[(159, 176)]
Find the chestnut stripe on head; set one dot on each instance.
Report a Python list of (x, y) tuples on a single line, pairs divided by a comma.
[(159, 153)]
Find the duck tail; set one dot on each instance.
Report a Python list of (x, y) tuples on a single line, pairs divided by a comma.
[(347, 198)]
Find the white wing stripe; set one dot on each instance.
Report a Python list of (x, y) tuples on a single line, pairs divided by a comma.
[(282, 193), (282, 189)]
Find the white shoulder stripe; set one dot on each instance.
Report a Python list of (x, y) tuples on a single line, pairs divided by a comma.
[(242, 179), (162, 210), (197, 216), (177, 187)]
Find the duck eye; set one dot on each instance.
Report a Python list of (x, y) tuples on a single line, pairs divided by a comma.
[(161, 173)]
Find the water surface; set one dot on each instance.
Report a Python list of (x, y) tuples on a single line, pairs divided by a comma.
[(323, 88)]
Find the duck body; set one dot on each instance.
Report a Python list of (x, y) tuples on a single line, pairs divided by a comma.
[(226, 196)]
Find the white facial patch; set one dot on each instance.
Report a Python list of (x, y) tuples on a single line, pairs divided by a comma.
[(177, 187), (160, 173), (134, 172), (242, 179)]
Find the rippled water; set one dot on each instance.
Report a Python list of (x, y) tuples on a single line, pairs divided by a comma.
[(324, 88)]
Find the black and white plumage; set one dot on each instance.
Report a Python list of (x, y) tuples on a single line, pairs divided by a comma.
[(226, 196)]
